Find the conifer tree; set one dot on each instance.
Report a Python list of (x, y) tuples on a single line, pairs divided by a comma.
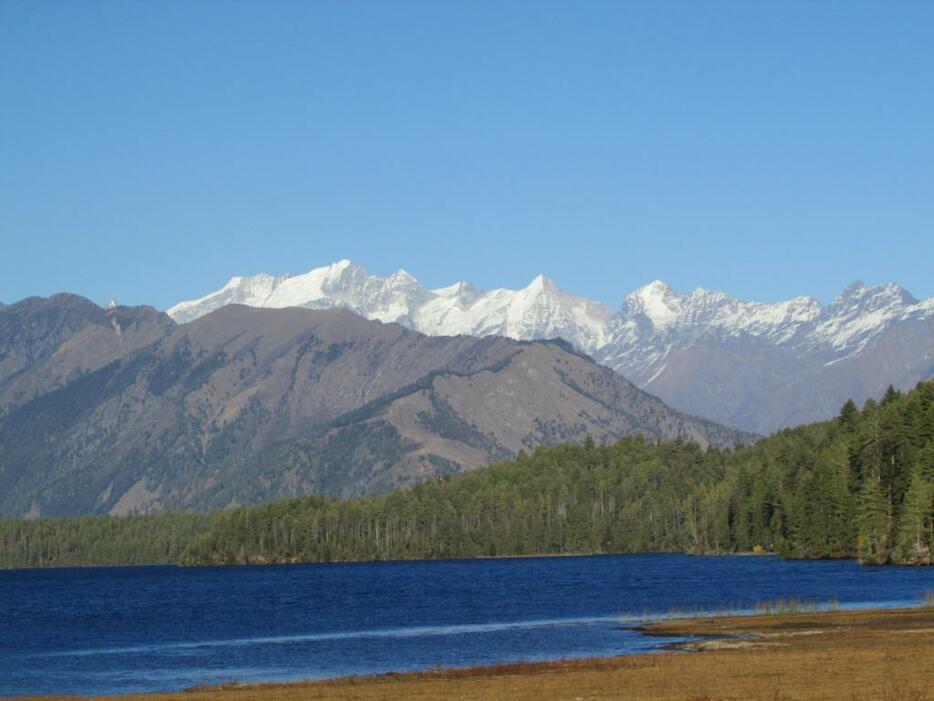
[(873, 523), (849, 415), (914, 546), (891, 394)]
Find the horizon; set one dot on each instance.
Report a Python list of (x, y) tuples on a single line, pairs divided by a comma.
[(613, 307), (550, 278)]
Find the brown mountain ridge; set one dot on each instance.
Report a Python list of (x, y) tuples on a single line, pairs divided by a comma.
[(122, 410)]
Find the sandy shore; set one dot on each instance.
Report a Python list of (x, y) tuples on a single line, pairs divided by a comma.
[(849, 655)]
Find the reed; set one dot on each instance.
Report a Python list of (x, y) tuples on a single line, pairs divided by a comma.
[(778, 607), (767, 607)]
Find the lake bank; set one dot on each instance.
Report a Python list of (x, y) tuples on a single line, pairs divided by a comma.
[(857, 655)]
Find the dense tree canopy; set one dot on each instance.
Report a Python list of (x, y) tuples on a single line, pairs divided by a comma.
[(859, 485)]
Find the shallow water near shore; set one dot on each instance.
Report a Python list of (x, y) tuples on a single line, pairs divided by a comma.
[(117, 630)]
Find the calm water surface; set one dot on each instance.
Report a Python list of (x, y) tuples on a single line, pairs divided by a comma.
[(107, 631)]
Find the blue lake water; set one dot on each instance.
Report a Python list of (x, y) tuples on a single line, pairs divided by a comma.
[(113, 630)]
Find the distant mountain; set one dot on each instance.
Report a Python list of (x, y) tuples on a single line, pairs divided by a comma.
[(120, 410), (757, 366), (541, 310)]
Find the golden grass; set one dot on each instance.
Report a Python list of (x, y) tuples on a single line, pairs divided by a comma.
[(828, 656)]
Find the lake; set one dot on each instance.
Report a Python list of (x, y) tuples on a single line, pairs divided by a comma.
[(114, 630)]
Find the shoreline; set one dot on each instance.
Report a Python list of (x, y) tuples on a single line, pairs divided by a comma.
[(532, 556), (858, 654)]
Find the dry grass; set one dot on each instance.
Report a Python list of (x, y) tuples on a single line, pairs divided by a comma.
[(829, 656)]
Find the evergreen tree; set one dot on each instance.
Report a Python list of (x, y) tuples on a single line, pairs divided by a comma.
[(873, 523), (849, 415), (891, 395), (914, 529)]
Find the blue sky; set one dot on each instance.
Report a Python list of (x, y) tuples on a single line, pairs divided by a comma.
[(152, 150)]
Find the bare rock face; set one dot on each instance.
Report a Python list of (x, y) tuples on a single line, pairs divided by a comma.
[(122, 410)]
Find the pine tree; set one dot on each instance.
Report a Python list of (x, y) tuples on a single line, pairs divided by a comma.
[(914, 546), (873, 523), (837, 502), (925, 461), (891, 394), (868, 442), (849, 415)]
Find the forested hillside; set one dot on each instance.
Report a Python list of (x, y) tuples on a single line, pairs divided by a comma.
[(858, 485)]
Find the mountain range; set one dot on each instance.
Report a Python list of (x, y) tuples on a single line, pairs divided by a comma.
[(121, 409), (757, 366)]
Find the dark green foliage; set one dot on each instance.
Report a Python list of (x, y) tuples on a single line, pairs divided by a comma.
[(860, 485), (94, 540), (875, 522), (914, 533)]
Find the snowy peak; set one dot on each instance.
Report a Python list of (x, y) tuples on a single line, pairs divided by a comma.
[(867, 297), (462, 291), (861, 313), (651, 322), (539, 310), (541, 284), (402, 278), (343, 272), (342, 284), (657, 302), (662, 310)]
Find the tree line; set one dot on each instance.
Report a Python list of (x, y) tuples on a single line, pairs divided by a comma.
[(860, 485)]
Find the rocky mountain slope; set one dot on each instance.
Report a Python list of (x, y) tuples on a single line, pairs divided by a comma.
[(757, 366), (123, 410), (45, 343)]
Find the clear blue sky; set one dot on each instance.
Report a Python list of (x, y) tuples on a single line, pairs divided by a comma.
[(150, 150)]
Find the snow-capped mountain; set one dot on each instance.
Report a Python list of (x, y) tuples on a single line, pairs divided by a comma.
[(757, 366), (341, 284), (655, 319), (540, 310)]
